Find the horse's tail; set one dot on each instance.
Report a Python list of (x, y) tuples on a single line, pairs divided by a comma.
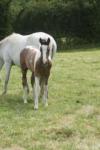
[(54, 47)]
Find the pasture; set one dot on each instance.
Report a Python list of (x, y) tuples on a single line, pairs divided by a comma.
[(72, 119)]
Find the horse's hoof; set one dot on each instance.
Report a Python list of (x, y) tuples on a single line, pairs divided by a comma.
[(46, 105), (25, 102), (35, 108)]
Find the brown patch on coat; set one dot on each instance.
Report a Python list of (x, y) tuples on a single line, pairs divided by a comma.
[(27, 57), (41, 69)]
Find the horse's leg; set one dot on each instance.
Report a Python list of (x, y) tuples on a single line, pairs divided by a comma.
[(8, 69), (1, 65), (45, 95), (37, 92), (25, 85)]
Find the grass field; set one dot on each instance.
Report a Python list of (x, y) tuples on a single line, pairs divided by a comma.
[(72, 119)]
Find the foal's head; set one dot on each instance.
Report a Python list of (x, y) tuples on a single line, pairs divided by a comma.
[(45, 50)]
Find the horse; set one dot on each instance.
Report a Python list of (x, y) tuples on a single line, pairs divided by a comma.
[(11, 47), (39, 61)]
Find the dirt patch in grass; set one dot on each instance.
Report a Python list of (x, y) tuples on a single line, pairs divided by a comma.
[(90, 143), (88, 111), (63, 133), (66, 120), (15, 147), (59, 134)]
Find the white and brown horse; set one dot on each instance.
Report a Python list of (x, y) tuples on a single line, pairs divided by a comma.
[(39, 61), (11, 47)]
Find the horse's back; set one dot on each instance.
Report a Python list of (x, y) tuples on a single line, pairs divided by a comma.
[(37, 35), (11, 46), (11, 38)]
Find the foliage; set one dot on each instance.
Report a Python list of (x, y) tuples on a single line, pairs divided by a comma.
[(4, 17), (61, 18)]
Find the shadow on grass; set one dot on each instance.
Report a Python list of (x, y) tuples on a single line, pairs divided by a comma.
[(15, 102)]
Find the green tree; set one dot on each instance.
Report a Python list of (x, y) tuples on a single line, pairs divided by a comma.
[(4, 17)]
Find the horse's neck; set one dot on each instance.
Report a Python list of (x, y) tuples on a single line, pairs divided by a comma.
[(39, 61)]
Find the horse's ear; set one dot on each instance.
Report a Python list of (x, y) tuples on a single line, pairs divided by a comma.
[(48, 41), (40, 40)]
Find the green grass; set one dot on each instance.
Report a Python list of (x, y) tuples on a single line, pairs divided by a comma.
[(72, 119)]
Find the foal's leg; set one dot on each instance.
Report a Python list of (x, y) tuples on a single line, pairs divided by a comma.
[(25, 85), (45, 96), (8, 69), (32, 79), (36, 92), (42, 87)]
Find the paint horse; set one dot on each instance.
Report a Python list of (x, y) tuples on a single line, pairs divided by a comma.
[(11, 47), (39, 62)]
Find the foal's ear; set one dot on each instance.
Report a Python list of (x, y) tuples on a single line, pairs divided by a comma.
[(48, 41), (40, 40)]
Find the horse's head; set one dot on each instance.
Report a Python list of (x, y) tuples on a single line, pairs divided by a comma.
[(45, 50)]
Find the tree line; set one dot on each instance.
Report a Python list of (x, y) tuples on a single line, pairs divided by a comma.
[(71, 19)]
